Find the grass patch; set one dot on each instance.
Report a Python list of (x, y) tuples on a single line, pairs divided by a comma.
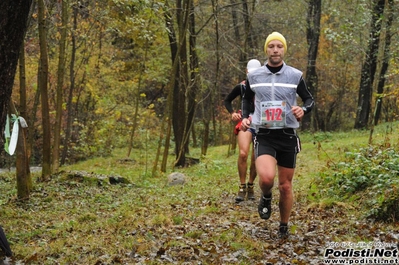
[(68, 221)]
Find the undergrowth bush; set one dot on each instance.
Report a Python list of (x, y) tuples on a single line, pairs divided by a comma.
[(371, 174)]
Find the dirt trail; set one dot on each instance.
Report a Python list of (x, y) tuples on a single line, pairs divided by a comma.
[(312, 230)]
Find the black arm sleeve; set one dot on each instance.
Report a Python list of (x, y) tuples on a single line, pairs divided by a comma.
[(304, 94), (230, 97), (247, 101)]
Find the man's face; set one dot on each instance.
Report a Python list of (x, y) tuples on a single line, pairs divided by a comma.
[(275, 53)]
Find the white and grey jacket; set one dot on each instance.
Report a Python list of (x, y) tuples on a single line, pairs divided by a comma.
[(284, 85)]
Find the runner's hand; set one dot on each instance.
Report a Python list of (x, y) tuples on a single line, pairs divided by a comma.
[(236, 116), (298, 112), (245, 124)]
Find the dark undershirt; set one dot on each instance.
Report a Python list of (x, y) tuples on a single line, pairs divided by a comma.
[(274, 69)]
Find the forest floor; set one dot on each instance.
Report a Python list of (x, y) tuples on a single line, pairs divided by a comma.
[(202, 230), (72, 220)]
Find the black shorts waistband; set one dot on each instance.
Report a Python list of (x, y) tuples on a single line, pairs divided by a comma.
[(284, 130)]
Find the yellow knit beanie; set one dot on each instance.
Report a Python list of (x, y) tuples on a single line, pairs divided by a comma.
[(275, 36)]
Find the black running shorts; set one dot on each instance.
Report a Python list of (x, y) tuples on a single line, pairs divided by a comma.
[(282, 144)]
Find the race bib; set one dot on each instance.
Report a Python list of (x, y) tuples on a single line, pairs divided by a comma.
[(273, 114)]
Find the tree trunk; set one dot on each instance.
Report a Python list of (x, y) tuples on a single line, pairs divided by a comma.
[(70, 114), (385, 61), (32, 119), (193, 83), (167, 145), (194, 136), (24, 181), (43, 84), (13, 24), (179, 120), (237, 37), (207, 109), (205, 140), (22, 83), (60, 85), (159, 148), (369, 67), (233, 138), (313, 34), (250, 48), (174, 51)]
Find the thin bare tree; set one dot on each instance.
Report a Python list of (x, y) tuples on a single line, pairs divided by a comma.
[(43, 87), (60, 84)]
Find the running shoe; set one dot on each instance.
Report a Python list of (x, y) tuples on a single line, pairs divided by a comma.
[(265, 207), (283, 232)]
